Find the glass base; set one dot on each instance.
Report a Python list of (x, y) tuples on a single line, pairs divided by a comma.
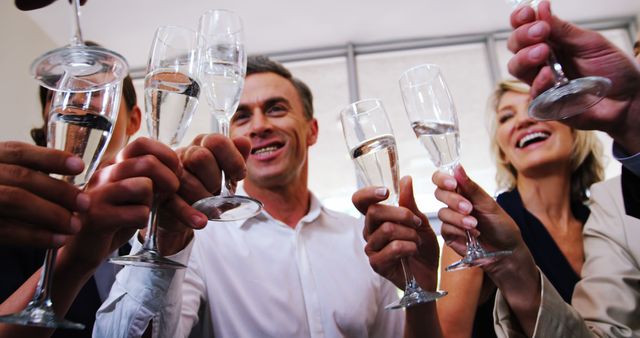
[(572, 98), (414, 297), (41, 317), (477, 258), (228, 208), (147, 259)]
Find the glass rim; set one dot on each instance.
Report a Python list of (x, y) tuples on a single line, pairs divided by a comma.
[(351, 108), (224, 10), (404, 76), (119, 62)]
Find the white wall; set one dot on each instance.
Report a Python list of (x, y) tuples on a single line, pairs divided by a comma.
[(22, 42)]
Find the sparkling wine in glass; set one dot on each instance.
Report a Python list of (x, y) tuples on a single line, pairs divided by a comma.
[(567, 97), (434, 120), (171, 97), (222, 72), (86, 83), (372, 146)]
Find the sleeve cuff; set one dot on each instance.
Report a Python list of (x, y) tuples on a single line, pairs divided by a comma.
[(151, 286)]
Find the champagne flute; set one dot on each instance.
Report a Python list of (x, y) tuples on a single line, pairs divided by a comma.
[(433, 118), (86, 84), (372, 146), (171, 97), (222, 72), (567, 97)]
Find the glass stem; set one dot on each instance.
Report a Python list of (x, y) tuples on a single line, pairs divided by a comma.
[(556, 68), (76, 40), (42, 296), (227, 187), (472, 242), (409, 280), (151, 240)]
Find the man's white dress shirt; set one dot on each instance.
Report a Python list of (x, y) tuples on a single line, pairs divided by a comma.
[(259, 278)]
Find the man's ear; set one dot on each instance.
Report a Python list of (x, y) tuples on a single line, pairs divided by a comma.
[(312, 137), (135, 118)]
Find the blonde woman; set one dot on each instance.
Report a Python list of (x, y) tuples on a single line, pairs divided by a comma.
[(545, 169)]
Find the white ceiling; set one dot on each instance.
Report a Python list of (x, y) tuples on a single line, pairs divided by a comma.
[(127, 26)]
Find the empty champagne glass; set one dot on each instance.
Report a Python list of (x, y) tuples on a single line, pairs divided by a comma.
[(433, 118), (567, 97), (372, 146), (171, 97), (222, 72), (86, 84)]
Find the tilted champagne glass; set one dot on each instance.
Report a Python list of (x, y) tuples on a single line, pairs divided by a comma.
[(434, 120), (171, 97), (222, 72), (372, 146), (567, 97), (87, 85)]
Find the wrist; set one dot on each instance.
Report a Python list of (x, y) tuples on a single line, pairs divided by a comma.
[(172, 242)]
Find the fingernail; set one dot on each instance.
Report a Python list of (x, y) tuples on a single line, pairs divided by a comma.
[(75, 223), (448, 242), (197, 221), (536, 30), (536, 52), (381, 192), (58, 240), (83, 201), (450, 183), (74, 163), (469, 222), (417, 221), (465, 206)]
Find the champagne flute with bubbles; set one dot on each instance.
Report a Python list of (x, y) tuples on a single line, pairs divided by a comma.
[(434, 120), (567, 97), (372, 146), (171, 97), (223, 68), (86, 83)]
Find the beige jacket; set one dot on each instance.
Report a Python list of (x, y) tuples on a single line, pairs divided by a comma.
[(606, 302)]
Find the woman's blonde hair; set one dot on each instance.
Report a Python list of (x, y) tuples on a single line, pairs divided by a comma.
[(586, 159)]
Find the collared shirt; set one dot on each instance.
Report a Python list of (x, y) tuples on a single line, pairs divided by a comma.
[(260, 278)]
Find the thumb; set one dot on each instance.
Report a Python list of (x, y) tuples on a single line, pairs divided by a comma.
[(470, 189), (407, 200)]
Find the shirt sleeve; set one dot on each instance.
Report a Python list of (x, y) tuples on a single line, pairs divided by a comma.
[(608, 296), (140, 295), (631, 162), (555, 317)]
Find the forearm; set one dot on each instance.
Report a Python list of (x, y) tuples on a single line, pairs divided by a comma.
[(422, 321), (518, 279)]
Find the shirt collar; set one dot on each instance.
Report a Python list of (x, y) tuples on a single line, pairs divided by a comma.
[(315, 209)]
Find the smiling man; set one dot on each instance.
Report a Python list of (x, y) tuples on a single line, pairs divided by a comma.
[(295, 270)]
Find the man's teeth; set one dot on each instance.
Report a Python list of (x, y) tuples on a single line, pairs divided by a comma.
[(265, 150), (530, 137)]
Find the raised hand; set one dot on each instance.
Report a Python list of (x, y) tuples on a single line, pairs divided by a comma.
[(582, 53), (471, 208), (121, 195), (35, 209), (395, 232)]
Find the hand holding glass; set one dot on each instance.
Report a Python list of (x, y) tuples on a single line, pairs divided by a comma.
[(567, 97), (433, 117), (223, 68), (171, 97), (86, 84), (372, 146)]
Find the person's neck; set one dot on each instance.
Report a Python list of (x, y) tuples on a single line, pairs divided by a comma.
[(548, 198), (287, 203)]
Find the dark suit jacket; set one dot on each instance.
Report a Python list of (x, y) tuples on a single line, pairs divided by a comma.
[(631, 192)]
